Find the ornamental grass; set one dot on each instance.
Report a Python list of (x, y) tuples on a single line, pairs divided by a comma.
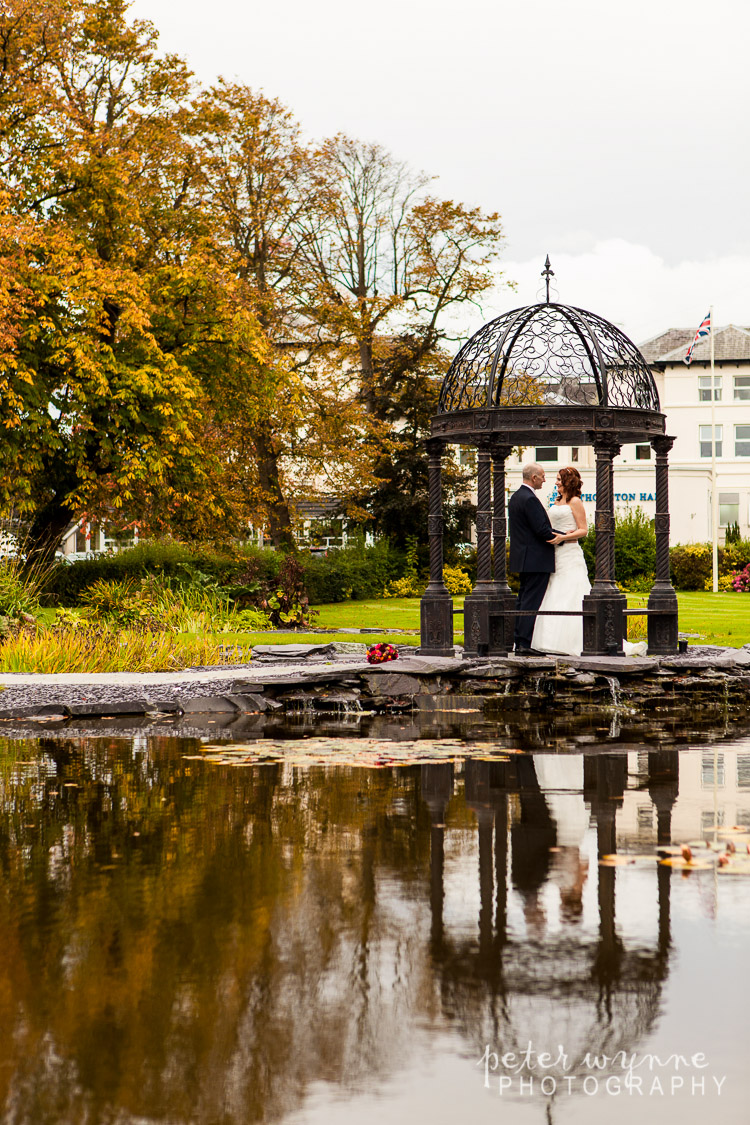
[(110, 650)]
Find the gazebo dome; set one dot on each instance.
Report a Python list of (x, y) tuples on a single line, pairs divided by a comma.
[(548, 355)]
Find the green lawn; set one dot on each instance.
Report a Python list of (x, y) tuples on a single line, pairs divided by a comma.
[(721, 619), (380, 613)]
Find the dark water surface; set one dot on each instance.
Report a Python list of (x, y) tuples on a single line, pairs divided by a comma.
[(311, 940)]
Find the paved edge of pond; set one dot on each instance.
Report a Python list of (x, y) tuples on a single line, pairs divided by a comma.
[(336, 678)]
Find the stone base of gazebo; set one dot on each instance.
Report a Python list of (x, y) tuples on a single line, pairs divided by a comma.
[(604, 622), (436, 624)]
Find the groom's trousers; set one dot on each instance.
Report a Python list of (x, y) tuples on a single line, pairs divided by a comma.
[(533, 587)]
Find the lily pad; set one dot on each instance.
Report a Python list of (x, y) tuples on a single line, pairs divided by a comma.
[(736, 866)]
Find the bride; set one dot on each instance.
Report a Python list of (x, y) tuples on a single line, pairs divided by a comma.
[(569, 581)]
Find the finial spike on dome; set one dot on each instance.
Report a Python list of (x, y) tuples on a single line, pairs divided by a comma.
[(547, 273)]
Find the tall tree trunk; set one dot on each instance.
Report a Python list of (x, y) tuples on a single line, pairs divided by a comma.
[(47, 528), (279, 520), (367, 376)]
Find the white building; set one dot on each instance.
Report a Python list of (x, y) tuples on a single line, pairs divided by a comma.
[(85, 538), (685, 396)]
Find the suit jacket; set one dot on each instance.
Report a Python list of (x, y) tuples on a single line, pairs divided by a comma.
[(529, 531)]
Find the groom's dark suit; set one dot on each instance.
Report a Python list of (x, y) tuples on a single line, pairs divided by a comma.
[(531, 555)]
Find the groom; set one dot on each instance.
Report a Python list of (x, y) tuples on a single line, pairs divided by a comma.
[(532, 550)]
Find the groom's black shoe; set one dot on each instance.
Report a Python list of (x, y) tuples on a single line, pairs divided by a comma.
[(522, 651)]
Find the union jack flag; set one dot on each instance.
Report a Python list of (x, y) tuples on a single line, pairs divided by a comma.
[(704, 329)]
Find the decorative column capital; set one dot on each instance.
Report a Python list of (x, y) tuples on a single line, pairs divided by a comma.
[(662, 445), (499, 451), (435, 447), (606, 445)]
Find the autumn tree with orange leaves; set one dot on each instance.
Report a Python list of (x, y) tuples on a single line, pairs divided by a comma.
[(204, 319), (117, 292)]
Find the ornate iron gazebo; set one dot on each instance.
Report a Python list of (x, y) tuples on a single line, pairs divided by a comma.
[(546, 374)]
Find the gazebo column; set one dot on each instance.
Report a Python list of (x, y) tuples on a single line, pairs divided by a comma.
[(603, 618), (436, 607), (662, 601), (501, 622), (477, 603)]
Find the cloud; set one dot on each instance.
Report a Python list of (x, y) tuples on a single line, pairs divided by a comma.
[(633, 287)]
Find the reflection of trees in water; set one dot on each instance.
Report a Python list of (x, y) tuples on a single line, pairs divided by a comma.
[(204, 944), (249, 940)]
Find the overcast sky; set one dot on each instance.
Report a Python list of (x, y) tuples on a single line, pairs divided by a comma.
[(612, 136)]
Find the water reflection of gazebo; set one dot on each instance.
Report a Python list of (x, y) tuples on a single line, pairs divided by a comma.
[(593, 993), (545, 374)]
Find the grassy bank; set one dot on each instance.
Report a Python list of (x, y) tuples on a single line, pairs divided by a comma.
[(70, 650)]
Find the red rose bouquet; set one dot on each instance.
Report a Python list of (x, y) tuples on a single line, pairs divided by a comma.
[(378, 654)]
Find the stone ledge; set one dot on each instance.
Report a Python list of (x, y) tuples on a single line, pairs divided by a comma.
[(232, 691)]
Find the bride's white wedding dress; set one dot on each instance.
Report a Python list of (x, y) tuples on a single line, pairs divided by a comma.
[(567, 586)]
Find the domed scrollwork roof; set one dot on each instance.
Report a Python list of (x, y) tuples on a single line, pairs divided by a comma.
[(548, 355)]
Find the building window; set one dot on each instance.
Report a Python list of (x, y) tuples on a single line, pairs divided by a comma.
[(705, 440), (704, 388), (643, 452), (743, 771), (546, 453), (710, 820), (712, 773), (742, 441), (729, 508), (742, 388), (574, 454)]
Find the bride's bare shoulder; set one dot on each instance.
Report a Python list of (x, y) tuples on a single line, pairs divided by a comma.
[(576, 504)]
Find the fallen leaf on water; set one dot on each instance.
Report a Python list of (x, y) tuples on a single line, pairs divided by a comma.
[(620, 860), (674, 861)]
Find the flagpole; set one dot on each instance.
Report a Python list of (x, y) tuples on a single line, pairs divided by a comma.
[(714, 489)]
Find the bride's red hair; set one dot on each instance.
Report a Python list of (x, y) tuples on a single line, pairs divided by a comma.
[(571, 482)]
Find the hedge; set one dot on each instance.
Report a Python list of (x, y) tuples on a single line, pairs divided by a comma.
[(353, 572), (68, 581), (356, 572)]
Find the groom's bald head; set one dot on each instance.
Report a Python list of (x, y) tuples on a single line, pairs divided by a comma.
[(531, 471)]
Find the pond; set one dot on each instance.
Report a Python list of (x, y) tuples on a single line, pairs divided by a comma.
[(411, 925)]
